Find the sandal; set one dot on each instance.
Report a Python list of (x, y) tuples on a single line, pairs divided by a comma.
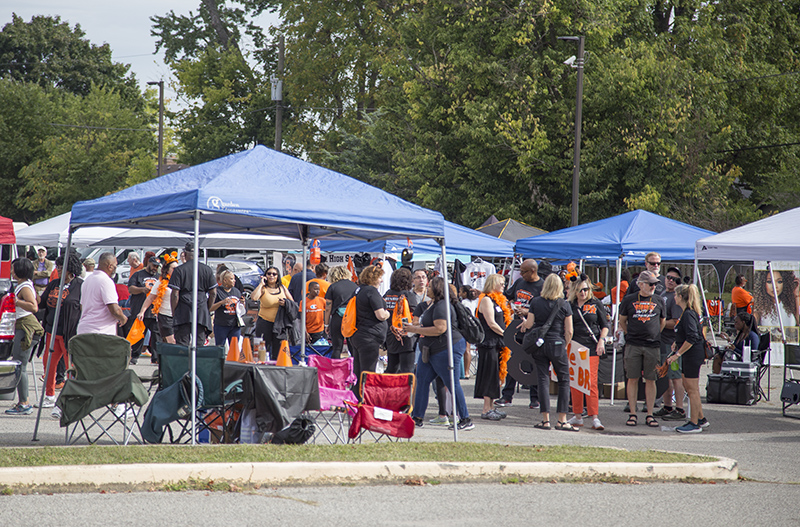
[(651, 421), (544, 425), (566, 427), (633, 420)]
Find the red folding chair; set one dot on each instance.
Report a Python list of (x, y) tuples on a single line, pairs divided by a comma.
[(385, 410)]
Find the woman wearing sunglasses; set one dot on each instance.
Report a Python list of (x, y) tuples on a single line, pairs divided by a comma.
[(270, 294), (590, 326)]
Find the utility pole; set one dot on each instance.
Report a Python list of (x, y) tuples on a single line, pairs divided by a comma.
[(576, 160), (277, 96), (160, 85)]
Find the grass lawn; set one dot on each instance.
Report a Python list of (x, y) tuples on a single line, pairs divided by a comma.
[(447, 452)]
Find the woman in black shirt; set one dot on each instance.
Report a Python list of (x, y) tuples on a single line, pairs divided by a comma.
[(399, 348), (340, 291), (371, 316), (554, 349), (690, 344), (590, 326), (226, 322)]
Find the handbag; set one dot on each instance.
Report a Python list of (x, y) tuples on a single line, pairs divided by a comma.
[(533, 339)]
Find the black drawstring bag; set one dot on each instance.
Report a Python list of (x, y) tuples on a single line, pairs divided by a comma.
[(298, 432)]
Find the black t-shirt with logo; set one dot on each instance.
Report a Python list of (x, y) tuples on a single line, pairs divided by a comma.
[(142, 278), (70, 306), (595, 315), (225, 315), (406, 344), (673, 311), (644, 319), (523, 291)]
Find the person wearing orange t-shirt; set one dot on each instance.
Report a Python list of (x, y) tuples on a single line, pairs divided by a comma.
[(315, 313), (623, 287), (741, 298), (321, 270)]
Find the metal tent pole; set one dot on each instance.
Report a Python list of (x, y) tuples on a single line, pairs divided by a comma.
[(616, 328), (193, 343), (449, 334), (53, 333)]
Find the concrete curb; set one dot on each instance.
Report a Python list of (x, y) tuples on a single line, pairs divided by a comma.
[(301, 473)]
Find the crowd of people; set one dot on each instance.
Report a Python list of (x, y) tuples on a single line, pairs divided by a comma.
[(659, 316)]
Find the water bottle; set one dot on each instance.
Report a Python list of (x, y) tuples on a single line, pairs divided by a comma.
[(746, 354)]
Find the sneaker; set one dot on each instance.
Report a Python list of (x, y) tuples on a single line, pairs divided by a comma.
[(48, 402), (491, 415), (703, 423), (678, 414), (59, 385), (56, 413), (134, 361), (440, 421), (464, 424), (20, 409), (418, 422), (689, 428), (502, 402), (597, 425), (575, 420), (665, 410), (534, 405), (145, 354)]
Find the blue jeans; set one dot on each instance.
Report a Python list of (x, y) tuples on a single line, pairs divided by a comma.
[(437, 366), (223, 333)]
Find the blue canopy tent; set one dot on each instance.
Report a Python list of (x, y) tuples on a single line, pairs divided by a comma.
[(627, 237), (458, 239), (260, 191)]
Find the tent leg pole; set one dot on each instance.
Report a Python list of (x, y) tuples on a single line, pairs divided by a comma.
[(777, 309), (193, 343), (449, 341), (616, 329), (302, 303), (705, 304), (54, 332)]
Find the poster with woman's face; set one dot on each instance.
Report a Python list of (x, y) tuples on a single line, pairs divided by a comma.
[(777, 301)]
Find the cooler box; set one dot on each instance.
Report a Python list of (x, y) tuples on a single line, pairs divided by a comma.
[(9, 376), (726, 388)]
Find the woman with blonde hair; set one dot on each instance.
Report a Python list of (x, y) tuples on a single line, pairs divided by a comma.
[(590, 327), (371, 325), (494, 315), (554, 350), (340, 291), (690, 344)]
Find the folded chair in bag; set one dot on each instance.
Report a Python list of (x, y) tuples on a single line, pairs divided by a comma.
[(762, 358), (102, 381), (385, 410), (336, 378), (214, 413)]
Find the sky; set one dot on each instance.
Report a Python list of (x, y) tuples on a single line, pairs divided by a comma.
[(125, 26)]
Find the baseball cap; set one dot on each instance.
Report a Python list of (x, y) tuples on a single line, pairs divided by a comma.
[(89, 261), (40, 248), (154, 260), (647, 277)]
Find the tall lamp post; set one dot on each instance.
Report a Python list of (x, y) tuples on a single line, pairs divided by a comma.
[(160, 85), (576, 160)]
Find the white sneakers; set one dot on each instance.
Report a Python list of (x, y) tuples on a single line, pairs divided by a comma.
[(576, 420), (56, 413), (597, 425), (48, 402)]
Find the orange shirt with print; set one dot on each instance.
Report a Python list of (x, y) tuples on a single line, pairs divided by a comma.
[(315, 314)]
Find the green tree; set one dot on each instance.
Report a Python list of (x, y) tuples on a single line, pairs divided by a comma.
[(50, 53)]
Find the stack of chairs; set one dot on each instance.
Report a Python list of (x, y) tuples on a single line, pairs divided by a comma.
[(385, 408)]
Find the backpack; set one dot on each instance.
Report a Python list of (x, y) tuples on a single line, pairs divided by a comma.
[(349, 318), (468, 325)]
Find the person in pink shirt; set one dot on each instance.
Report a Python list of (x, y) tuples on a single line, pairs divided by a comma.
[(100, 311)]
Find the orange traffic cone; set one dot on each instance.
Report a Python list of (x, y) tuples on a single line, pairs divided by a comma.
[(236, 349), (283, 357), (233, 352), (247, 350)]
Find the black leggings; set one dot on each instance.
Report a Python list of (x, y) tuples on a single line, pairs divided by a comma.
[(365, 348), (402, 362), (337, 339), (264, 330)]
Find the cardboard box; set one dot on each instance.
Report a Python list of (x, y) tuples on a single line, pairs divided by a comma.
[(619, 391)]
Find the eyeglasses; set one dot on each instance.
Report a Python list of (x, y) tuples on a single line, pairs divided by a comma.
[(673, 278), (654, 263), (584, 290), (272, 274)]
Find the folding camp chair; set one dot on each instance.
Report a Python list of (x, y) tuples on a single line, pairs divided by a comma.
[(385, 410), (761, 357), (336, 378), (101, 381), (213, 413)]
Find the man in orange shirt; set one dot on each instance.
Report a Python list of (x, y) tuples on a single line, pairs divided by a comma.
[(315, 313), (741, 298)]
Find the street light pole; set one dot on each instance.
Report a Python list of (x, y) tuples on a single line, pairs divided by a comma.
[(576, 160), (160, 85)]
